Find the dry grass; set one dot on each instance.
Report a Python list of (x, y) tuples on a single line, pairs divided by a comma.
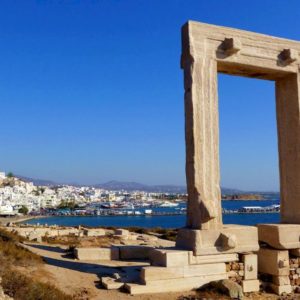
[(11, 253), (75, 241), (22, 287), (166, 234), (14, 282)]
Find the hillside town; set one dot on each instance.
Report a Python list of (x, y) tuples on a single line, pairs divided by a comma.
[(17, 194)]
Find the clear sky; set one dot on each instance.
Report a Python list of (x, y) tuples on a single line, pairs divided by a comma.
[(92, 91)]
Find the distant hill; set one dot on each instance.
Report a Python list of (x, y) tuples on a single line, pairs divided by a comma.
[(228, 191), (40, 182), (135, 186), (128, 186)]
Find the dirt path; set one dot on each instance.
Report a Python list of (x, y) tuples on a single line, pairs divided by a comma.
[(81, 278)]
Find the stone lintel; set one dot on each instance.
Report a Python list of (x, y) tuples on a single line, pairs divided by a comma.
[(259, 56)]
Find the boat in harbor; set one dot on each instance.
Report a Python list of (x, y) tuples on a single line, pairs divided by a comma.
[(254, 209), (169, 204)]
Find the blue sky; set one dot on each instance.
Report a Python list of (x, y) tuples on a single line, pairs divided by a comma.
[(92, 91)]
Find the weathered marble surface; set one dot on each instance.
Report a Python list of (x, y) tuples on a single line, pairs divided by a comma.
[(207, 50)]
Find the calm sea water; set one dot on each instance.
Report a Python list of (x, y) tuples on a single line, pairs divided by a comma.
[(165, 221)]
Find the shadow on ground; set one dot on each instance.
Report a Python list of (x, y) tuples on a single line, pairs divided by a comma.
[(48, 248)]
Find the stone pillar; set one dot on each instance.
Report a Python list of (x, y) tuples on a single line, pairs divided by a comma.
[(202, 143), (288, 123)]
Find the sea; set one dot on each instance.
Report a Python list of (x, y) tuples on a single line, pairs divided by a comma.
[(175, 221)]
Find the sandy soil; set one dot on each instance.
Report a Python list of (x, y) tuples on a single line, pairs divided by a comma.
[(81, 278)]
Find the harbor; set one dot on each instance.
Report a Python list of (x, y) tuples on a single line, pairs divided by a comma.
[(275, 208), (151, 210), (155, 210)]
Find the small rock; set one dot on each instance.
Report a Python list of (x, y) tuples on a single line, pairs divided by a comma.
[(116, 276), (230, 288)]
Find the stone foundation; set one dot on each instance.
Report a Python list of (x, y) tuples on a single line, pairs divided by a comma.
[(229, 239), (173, 269), (280, 270), (280, 236), (279, 257)]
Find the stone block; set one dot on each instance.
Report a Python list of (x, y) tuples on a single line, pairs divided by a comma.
[(281, 280), (280, 289), (169, 257), (134, 252), (97, 253), (250, 266), (250, 285), (229, 239), (160, 273), (207, 269), (153, 273), (121, 231), (215, 258), (94, 232), (227, 287), (273, 262), (280, 236), (35, 236), (111, 283), (173, 285), (62, 232)]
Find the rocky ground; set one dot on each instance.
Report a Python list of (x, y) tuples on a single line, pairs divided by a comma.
[(81, 279)]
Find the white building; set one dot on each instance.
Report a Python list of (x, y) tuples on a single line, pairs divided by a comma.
[(6, 209)]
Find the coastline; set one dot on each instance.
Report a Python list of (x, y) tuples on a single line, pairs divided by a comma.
[(19, 219)]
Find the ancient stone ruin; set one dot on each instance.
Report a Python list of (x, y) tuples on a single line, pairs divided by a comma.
[(207, 50), (206, 250)]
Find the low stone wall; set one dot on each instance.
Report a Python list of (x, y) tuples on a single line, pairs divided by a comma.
[(37, 232), (280, 269), (97, 253)]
